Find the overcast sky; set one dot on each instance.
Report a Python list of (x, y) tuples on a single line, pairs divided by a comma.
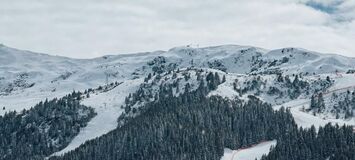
[(91, 28)]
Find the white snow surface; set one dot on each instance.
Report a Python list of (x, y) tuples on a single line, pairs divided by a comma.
[(252, 153), (344, 81), (108, 108), (305, 119), (27, 78), (226, 89)]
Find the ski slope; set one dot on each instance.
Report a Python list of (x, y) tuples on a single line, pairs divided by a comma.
[(252, 153), (305, 119), (107, 105), (342, 84)]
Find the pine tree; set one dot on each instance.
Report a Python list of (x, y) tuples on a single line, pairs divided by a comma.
[(280, 78), (320, 103), (224, 79)]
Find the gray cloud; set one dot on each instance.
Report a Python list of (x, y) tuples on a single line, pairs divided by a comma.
[(90, 28), (330, 7)]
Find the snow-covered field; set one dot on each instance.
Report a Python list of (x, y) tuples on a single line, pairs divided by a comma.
[(252, 153)]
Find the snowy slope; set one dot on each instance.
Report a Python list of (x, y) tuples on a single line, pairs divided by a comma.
[(305, 119), (22, 70), (39, 76), (252, 153), (295, 60), (27, 78), (108, 108)]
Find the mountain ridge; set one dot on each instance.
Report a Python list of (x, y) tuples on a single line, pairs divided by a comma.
[(23, 70), (3, 46)]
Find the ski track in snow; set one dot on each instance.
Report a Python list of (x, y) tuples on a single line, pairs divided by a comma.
[(108, 108), (251, 153), (306, 120)]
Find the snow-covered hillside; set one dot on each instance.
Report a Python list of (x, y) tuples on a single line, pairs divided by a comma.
[(27, 77), (26, 73), (283, 77), (107, 105)]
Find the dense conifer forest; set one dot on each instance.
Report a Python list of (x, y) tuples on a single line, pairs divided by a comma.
[(46, 128), (195, 126), (191, 126), (331, 143)]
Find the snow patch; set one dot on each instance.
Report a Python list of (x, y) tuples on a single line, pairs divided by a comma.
[(252, 153)]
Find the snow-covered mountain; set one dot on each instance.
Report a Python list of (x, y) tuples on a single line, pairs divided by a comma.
[(283, 77), (28, 74)]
